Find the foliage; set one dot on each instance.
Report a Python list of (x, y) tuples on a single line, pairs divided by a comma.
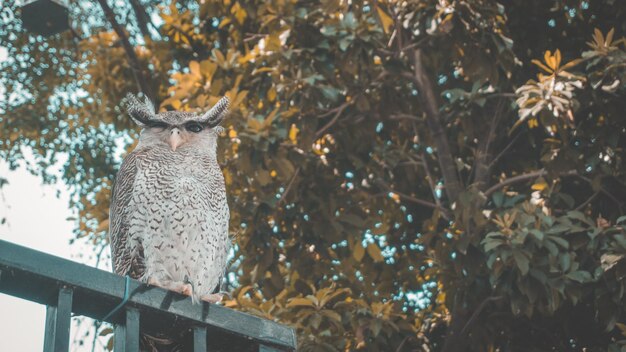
[(397, 178)]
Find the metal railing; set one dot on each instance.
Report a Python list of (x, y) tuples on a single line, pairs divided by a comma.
[(67, 288)]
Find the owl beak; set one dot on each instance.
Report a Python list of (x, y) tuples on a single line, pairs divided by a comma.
[(175, 139)]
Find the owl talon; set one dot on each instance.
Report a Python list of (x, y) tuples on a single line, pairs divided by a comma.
[(154, 282), (213, 298), (186, 289)]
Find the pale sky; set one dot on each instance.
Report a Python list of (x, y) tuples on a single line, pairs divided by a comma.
[(36, 218)]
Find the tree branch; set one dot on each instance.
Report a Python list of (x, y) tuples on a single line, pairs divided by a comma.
[(477, 312), (289, 185), (428, 99), (338, 110), (525, 177), (589, 200), (142, 18), (515, 179), (482, 161), (506, 149), (140, 79), (414, 200), (427, 170)]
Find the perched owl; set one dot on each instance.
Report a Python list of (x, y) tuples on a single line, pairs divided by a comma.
[(169, 215)]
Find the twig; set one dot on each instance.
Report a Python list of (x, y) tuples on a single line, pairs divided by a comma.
[(506, 149), (402, 344), (415, 200), (293, 178), (589, 200), (330, 123), (603, 191), (515, 179), (477, 312), (525, 177)]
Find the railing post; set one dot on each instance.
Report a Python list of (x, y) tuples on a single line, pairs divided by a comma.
[(58, 319), (199, 339), (120, 338), (132, 329)]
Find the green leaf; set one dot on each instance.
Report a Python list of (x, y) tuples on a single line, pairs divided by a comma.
[(523, 264), (559, 228), (498, 199), (560, 241), (538, 234), (490, 244), (579, 276)]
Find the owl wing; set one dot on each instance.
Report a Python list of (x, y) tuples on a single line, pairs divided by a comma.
[(126, 254)]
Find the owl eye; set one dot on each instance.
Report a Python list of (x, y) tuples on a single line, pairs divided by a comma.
[(193, 127), (157, 124)]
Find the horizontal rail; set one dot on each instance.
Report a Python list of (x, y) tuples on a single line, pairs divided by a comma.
[(54, 281)]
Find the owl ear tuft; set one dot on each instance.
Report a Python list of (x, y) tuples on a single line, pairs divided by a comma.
[(215, 116), (140, 112)]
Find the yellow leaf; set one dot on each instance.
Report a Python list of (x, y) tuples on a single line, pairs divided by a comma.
[(374, 252), (358, 253), (239, 12), (208, 68), (300, 302), (103, 226), (539, 186), (385, 19), (225, 22), (557, 58), (609, 37), (254, 124), (548, 58), (271, 94), (232, 134), (219, 57), (194, 67), (541, 65), (293, 133)]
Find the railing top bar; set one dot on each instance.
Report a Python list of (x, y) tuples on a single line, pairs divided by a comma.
[(36, 276)]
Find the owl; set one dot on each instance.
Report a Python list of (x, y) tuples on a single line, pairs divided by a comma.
[(169, 215)]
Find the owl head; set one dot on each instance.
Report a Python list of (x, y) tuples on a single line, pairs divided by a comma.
[(176, 129)]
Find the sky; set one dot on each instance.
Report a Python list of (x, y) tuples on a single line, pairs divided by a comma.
[(22, 201)]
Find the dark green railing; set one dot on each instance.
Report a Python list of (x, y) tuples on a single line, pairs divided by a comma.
[(67, 288)]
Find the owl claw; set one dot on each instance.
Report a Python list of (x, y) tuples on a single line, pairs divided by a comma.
[(186, 289), (154, 282), (213, 298)]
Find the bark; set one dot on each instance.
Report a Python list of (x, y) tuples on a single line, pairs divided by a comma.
[(430, 105), (484, 153), (142, 82), (142, 18)]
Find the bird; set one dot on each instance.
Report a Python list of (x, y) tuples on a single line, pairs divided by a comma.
[(169, 215)]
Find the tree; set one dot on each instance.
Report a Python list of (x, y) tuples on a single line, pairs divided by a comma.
[(417, 175)]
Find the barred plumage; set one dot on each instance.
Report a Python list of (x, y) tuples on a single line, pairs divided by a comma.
[(169, 214)]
